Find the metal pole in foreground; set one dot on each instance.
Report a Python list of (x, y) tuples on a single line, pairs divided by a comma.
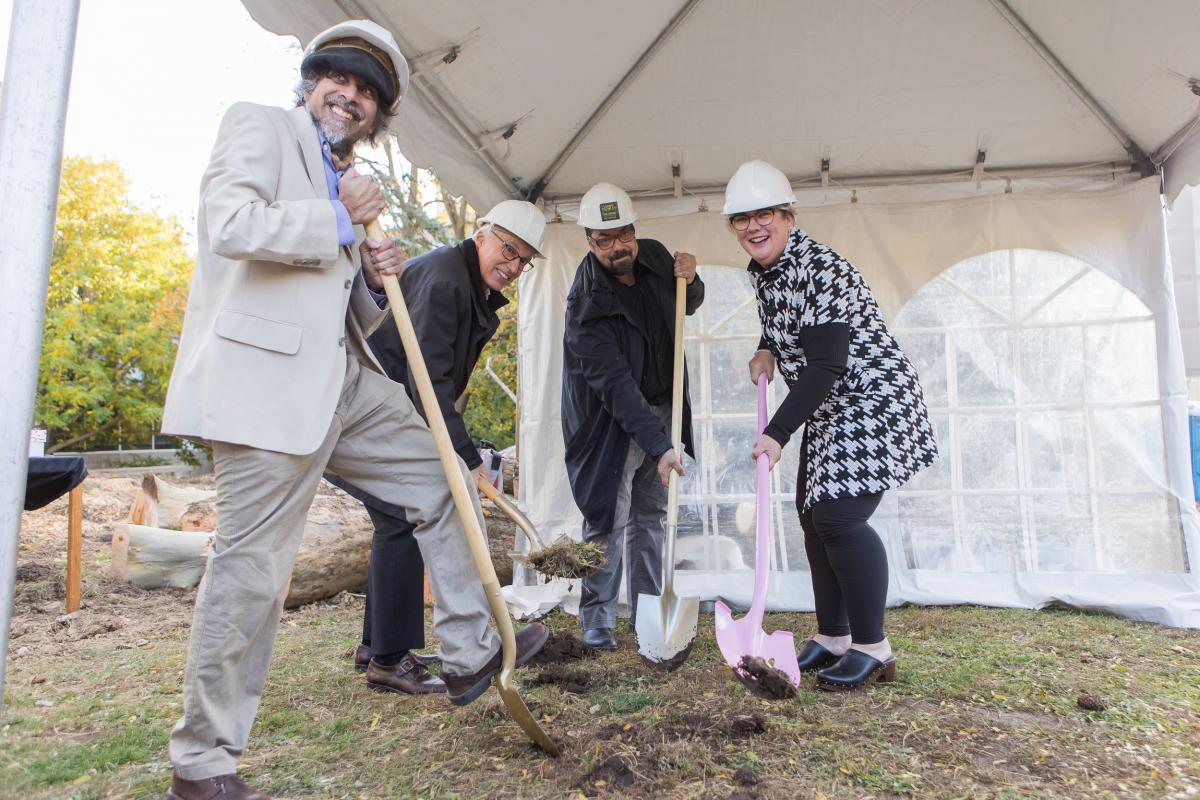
[(33, 109)]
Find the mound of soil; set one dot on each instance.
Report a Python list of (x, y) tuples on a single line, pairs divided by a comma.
[(614, 773), (748, 725), (763, 679), (1088, 702), (574, 681), (746, 776), (561, 647)]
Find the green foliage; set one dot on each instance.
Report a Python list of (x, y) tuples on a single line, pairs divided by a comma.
[(491, 414), (118, 288)]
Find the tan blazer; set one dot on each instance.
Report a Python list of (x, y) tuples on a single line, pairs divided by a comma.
[(274, 300)]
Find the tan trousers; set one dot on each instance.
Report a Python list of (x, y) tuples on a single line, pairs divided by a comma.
[(377, 442)]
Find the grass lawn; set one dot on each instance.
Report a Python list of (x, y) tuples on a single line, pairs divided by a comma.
[(987, 704)]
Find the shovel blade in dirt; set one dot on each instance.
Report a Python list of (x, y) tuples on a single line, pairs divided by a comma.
[(738, 638), (666, 623), (666, 626), (745, 637)]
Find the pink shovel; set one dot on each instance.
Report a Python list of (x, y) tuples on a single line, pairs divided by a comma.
[(746, 637)]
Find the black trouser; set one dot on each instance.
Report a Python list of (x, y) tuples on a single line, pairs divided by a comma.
[(394, 617), (848, 563)]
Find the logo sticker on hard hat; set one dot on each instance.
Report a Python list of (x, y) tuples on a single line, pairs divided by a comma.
[(609, 212)]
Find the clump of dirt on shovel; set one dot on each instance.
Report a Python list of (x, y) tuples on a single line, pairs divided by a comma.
[(763, 679), (567, 558)]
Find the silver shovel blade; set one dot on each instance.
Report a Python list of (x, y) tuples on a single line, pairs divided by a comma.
[(666, 626)]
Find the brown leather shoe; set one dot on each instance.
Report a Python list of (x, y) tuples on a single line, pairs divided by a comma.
[(222, 787), (407, 676), (363, 654), (362, 657), (462, 689)]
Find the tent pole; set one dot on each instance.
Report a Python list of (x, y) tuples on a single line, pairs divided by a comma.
[(612, 98), (1138, 156), (33, 110)]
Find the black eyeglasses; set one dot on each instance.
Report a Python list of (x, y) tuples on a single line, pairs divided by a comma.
[(764, 217), (626, 235), (511, 253)]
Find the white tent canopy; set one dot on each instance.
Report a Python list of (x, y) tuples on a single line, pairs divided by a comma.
[(621, 90), (979, 161)]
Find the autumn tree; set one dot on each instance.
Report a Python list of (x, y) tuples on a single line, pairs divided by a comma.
[(118, 288)]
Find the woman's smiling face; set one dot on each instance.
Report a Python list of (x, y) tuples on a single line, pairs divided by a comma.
[(765, 234)]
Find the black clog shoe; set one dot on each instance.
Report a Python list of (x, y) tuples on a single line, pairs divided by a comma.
[(855, 670), (813, 657)]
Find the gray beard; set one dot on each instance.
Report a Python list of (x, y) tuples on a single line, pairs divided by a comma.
[(339, 141)]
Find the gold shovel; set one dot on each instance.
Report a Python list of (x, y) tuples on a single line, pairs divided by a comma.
[(466, 514)]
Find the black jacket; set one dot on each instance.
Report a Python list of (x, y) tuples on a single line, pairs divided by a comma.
[(454, 320), (602, 402)]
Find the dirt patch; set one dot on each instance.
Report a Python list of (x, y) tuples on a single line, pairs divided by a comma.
[(560, 648), (38, 582), (614, 773), (83, 625), (747, 725), (744, 776), (763, 679), (574, 681)]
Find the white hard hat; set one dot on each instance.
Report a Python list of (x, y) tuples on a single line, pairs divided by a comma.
[(524, 220), (366, 49), (604, 207), (755, 185)]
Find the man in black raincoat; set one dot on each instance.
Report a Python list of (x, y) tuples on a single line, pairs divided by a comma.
[(618, 349)]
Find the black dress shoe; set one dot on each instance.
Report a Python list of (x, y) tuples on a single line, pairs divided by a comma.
[(462, 689), (222, 787), (407, 676), (599, 639), (813, 657), (854, 670)]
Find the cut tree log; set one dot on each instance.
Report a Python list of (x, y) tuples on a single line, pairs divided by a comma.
[(152, 558), (160, 505), (333, 556)]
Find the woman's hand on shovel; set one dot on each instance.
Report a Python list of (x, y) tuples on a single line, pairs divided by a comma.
[(772, 448), (666, 462), (762, 362)]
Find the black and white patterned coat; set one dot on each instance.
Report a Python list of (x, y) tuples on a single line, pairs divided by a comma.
[(872, 432)]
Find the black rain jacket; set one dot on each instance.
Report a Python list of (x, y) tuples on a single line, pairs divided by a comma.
[(603, 359), (454, 319)]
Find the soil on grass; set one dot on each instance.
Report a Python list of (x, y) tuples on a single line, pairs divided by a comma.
[(574, 681), (613, 774), (763, 679), (987, 706), (560, 648)]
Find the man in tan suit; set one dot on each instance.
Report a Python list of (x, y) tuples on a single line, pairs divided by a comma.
[(274, 372)]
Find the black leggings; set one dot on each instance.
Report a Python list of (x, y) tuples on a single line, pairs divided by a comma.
[(848, 562)]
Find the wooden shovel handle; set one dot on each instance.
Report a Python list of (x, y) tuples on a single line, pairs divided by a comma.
[(463, 502), (511, 510)]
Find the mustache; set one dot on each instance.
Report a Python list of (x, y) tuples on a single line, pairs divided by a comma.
[(350, 108)]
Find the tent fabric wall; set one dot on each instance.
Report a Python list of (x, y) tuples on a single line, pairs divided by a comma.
[(900, 247)]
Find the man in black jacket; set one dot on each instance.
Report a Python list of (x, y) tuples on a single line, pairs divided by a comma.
[(618, 352), (452, 294)]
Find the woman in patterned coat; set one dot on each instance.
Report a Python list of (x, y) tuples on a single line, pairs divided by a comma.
[(857, 395)]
